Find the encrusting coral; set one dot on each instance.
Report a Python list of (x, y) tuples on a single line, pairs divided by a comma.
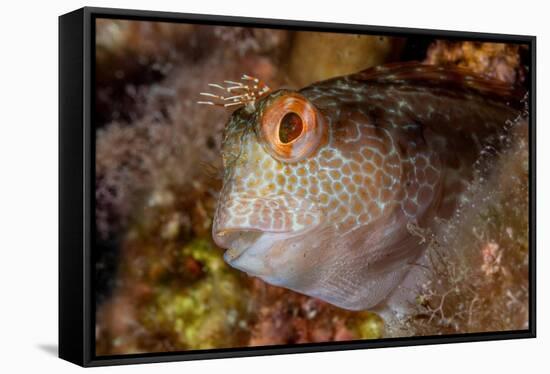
[(500, 61)]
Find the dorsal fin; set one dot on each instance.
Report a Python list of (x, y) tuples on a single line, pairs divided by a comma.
[(444, 78)]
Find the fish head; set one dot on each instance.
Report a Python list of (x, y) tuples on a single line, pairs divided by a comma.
[(301, 178)]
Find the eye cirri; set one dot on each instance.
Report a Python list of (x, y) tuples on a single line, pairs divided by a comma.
[(291, 127)]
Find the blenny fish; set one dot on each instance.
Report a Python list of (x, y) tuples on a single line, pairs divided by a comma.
[(322, 185)]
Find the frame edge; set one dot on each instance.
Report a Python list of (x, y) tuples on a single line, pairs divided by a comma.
[(71, 251), (74, 203)]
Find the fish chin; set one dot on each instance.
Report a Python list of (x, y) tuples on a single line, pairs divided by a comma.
[(253, 257), (267, 255), (356, 270)]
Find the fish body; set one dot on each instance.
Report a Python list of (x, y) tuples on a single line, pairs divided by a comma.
[(322, 185)]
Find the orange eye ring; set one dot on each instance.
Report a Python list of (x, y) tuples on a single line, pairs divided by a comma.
[(291, 127)]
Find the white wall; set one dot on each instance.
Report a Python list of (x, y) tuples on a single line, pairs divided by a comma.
[(28, 183)]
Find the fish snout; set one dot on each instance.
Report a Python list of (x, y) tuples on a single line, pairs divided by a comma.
[(241, 220)]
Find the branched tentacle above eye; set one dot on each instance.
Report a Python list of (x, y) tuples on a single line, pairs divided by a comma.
[(246, 92)]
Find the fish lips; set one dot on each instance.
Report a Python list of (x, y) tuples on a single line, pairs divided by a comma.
[(249, 249)]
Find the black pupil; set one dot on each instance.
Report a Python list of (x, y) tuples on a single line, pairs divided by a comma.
[(290, 128)]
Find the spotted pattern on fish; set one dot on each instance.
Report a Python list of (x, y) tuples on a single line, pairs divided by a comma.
[(398, 145)]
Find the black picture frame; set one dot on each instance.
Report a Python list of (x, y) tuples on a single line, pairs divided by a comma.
[(76, 196)]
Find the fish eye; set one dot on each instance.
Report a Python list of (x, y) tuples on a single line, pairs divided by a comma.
[(291, 127)]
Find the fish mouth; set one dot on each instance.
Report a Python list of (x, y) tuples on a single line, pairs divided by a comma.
[(276, 223), (249, 249), (236, 240)]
